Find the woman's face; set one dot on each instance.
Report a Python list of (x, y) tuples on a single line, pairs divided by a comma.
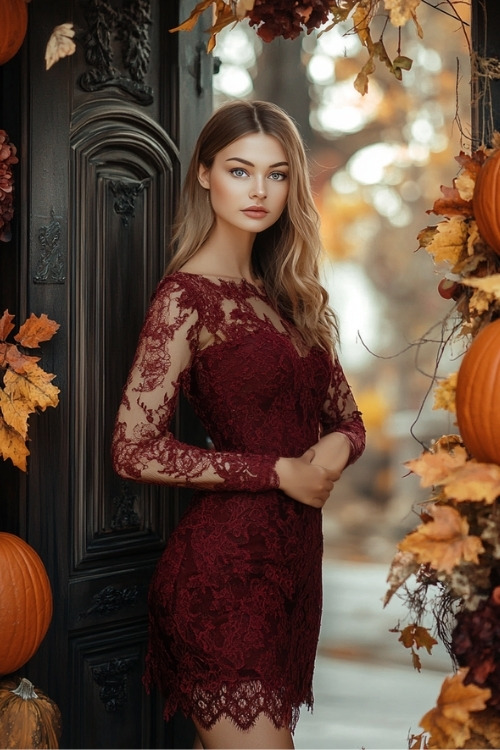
[(248, 183)]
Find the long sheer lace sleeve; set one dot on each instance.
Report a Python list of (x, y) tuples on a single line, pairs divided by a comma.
[(143, 447), (341, 414)]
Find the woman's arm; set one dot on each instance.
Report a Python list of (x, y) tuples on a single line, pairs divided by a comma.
[(343, 434), (143, 448)]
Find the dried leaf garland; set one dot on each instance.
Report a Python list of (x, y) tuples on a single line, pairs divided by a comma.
[(24, 386)]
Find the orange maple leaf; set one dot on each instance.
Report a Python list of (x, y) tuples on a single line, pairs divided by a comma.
[(474, 481), (418, 636), (452, 204), (448, 723), (472, 163), (10, 356), (6, 325), (443, 542), (435, 467), (36, 329)]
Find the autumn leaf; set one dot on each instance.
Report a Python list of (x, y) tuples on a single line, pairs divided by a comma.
[(449, 722), (444, 393), (443, 542), (418, 637), (434, 467), (489, 285), (474, 481), (415, 636), (451, 204), (12, 446), (34, 387), (15, 413), (35, 330), (400, 11), (11, 356), (6, 325), (449, 241), (60, 44), (24, 386)]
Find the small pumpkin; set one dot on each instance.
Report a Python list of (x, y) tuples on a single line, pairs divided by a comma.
[(13, 25), (478, 395), (28, 717), (26, 602), (486, 201)]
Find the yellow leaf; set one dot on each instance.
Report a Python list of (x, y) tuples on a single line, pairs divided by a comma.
[(444, 393), (15, 413), (12, 446), (465, 183), (488, 284), (474, 481), (33, 387), (449, 722), (400, 11), (426, 235), (443, 542), (35, 330), (434, 467), (449, 241)]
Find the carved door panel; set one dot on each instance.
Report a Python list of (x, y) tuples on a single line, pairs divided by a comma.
[(100, 138)]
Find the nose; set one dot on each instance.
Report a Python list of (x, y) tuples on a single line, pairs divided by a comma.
[(258, 188)]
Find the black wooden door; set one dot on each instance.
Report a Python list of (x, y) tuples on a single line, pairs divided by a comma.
[(101, 139)]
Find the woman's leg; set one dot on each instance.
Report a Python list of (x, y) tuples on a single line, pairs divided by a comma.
[(197, 745), (225, 734)]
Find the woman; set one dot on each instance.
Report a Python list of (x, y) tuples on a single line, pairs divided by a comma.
[(241, 323)]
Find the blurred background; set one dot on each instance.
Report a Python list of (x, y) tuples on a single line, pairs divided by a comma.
[(377, 164)]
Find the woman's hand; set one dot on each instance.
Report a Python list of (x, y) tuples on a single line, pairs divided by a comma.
[(305, 481)]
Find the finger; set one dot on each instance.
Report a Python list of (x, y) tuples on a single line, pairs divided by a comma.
[(309, 455)]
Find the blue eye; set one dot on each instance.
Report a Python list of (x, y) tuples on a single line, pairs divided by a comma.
[(237, 172), (278, 176)]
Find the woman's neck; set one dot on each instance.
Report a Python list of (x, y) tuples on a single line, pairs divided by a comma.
[(225, 256)]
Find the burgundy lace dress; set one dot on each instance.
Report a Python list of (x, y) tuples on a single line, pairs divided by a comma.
[(235, 603)]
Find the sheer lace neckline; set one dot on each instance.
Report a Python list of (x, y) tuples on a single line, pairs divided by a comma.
[(222, 277)]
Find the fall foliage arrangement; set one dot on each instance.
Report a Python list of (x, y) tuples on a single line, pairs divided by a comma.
[(454, 553), (24, 386), (288, 19)]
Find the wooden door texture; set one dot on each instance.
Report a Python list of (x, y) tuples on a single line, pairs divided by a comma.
[(102, 137)]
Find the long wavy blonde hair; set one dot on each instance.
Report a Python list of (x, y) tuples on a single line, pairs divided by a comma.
[(285, 257)]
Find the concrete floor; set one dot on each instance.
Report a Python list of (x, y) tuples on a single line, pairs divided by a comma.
[(367, 694)]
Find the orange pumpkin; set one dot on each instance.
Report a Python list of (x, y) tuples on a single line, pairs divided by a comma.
[(478, 395), (25, 602), (28, 717), (486, 201), (13, 25)]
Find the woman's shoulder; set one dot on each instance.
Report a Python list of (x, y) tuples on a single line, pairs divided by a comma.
[(179, 283)]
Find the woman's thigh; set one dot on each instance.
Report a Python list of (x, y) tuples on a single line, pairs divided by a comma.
[(225, 734)]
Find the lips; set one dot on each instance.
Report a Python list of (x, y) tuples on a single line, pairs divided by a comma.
[(255, 212)]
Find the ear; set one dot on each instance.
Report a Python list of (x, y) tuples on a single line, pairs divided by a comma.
[(204, 176)]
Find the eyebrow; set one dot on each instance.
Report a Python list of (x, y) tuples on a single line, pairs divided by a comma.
[(250, 164)]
